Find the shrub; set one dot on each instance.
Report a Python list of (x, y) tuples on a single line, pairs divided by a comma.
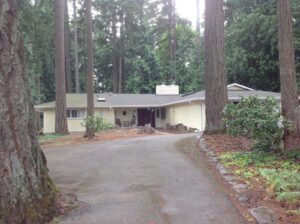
[(257, 119), (97, 123)]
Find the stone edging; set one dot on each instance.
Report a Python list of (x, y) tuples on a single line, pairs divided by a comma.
[(262, 214)]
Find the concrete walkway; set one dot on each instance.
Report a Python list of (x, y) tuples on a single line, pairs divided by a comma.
[(139, 181)]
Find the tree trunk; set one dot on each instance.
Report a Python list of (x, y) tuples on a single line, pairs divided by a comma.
[(289, 91), (173, 39), (61, 126), (90, 132), (121, 55), (115, 56), (120, 74), (27, 194), (198, 44), (67, 50), (77, 82), (215, 75)]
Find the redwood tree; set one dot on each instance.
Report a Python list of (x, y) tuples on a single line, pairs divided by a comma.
[(76, 65), (215, 75), (198, 47), (61, 126), (90, 132), (27, 194), (115, 54), (67, 50), (289, 91)]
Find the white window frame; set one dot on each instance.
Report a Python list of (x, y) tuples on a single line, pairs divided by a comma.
[(80, 114)]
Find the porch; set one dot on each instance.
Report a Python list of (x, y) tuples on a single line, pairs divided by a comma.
[(135, 117)]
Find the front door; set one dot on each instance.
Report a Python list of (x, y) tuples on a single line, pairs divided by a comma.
[(146, 116)]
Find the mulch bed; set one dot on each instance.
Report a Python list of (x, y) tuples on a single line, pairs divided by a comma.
[(257, 194), (77, 138)]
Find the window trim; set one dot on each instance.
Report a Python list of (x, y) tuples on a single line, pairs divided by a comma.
[(78, 111)]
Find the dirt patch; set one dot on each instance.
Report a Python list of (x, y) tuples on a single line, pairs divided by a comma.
[(257, 193), (77, 138), (221, 143)]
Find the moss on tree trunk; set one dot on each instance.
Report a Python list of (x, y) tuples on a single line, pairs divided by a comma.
[(27, 194)]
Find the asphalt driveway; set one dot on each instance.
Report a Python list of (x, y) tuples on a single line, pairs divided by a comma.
[(139, 181)]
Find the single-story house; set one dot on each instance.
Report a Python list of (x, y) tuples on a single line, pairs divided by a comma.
[(166, 107)]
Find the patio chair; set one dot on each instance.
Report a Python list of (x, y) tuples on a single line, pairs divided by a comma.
[(118, 122)]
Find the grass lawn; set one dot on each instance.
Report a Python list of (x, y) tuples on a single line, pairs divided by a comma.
[(49, 136)]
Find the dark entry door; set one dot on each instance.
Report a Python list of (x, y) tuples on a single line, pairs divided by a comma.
[(146, 116)]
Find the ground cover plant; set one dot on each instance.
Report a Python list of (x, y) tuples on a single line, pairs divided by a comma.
[(280, 173), (272, 177), (265, 163)]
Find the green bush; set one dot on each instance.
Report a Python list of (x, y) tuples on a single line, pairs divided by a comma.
[(97, 123), (257, 119)]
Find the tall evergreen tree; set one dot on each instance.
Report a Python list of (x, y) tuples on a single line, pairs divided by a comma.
[(215, 75), (90, 132), (36, 22), (61, 126), (76, 61), (289, 91), (69, 85), (27, 193)]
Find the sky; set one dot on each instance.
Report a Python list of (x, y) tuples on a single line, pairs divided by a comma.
[(187, 9)]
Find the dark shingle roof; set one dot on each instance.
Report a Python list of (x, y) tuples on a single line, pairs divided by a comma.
[(149, 100)]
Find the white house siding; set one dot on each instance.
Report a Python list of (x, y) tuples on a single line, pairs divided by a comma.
[(75, 124), (191, 115), (107, 114), (49, 121)]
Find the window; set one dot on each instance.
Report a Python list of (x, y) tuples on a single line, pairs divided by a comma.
[(163, 113), (158, 113), (74, 113), (101, 113), (124, 113)]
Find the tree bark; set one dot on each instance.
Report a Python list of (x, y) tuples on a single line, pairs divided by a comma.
[(115, 56), (77, 81), (289, 91), (67, 50), (173, 39), (198, 44), (121, 55), (27, 193), (215, 75), (61, 126), (90, 132)]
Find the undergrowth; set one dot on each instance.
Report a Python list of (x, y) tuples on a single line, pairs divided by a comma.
[(280, 172)]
